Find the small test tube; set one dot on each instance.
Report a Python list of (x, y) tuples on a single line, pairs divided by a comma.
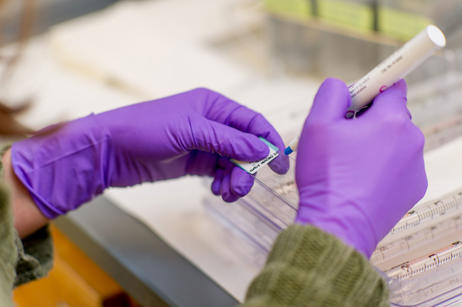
[(390, 71)]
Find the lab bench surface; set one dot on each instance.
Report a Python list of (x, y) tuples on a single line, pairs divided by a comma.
[(147, 268)]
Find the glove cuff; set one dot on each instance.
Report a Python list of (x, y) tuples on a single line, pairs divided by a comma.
[(65, 168), (348, 224)]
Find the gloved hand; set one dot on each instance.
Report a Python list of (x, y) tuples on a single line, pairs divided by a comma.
[(357, 178), (193, 133)]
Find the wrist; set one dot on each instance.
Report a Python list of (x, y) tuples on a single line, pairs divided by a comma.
[(353, 229), (66, 168), (26, 215)]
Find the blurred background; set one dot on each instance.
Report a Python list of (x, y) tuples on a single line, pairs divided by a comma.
[(147, 49), (70, 58)]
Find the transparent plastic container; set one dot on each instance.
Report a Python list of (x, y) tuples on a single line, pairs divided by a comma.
[(275, 196), (421, 257), (258, 218)]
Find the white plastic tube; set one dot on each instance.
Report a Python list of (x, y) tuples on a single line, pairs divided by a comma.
[(396, 66), (390, 71)]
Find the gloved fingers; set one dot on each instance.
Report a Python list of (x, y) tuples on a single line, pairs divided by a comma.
[(201, 163), (241, 182), (260, 126), (331, 101), (238, 182), (230, 113), (391, 104), (221, 184), (224, 163), (226, 193), (213, 137), (281, 164), (216, 183)]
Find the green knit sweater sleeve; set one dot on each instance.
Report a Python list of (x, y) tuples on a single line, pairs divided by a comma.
[(8, 252), (20, 260), (308, 267)]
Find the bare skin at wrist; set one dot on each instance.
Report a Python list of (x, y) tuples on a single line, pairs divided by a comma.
[(27, 217)]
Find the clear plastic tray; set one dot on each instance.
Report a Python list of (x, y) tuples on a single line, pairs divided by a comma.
[(265, 211), (421, 256)]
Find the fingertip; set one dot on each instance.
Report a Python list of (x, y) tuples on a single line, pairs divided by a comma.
[(401, 85), (225, 190), (331, 101), (230, 198), (216, 183), (281, 164), (216, 188), (241, 182), (333, 83), (332, 86)]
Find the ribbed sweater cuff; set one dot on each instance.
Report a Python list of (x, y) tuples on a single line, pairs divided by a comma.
[(308, 267)]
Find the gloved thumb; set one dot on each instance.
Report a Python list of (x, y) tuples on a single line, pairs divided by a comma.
[(214, 137), (331, 102)]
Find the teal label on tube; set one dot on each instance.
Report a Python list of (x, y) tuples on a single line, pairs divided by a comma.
[(253, 167)]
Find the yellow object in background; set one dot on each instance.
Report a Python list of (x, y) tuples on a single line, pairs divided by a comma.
[(74, 281), (298, 9), (393, 20), (356, 16), (399, 24)]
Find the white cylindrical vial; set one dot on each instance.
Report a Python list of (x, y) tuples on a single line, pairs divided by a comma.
[(395, 67)]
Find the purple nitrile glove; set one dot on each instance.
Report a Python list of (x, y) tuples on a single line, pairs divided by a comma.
[(193, 133), (357, 178)]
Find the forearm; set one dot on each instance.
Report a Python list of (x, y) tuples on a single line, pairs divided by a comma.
[(27, 217), (310, 267)]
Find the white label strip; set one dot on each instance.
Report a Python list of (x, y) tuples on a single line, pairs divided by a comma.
[(253, 167)]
